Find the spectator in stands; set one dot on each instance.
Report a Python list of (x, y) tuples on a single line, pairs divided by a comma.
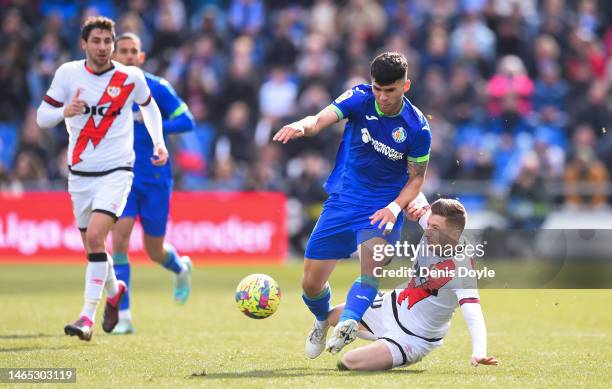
[(226, 177), (510, 79), (528, 200), (596, 108), (365, 19), (473, 32), (30, 172), (310, 172), (586, 177), (241, 84), (247, 16), (550, 89), (277, 97), (235, 138), (13, 82), (281, 49)]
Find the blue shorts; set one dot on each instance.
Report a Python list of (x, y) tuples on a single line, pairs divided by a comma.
[(342, 227), (150, 201)]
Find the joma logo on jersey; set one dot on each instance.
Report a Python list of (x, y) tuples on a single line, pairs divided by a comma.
[(380, 147), (101, 111)]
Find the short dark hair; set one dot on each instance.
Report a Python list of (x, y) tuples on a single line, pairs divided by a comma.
[(389, 67), (128, 35), (101, 22), (452, 210)]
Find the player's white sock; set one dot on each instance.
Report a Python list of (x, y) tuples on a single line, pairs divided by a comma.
[(95, 278), (125, 314), (110, 286), (89, 309)]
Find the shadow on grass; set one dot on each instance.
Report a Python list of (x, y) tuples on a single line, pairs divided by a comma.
[(30, 336), (297, 372), (32, 348)]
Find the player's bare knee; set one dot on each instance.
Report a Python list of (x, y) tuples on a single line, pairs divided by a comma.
[(120, 243), (312, 286), (94, 240), (156, 252), (353, 361)]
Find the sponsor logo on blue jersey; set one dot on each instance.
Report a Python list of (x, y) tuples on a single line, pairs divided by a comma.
[(380, 147)]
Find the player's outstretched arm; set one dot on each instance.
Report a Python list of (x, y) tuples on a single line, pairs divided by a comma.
[(386, 217), (308, 126), (472, 314), (153, 122)]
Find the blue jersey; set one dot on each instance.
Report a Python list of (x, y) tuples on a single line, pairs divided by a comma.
[(176, 118), (371, 164)]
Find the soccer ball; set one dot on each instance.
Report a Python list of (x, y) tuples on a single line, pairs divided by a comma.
[(258, 296)]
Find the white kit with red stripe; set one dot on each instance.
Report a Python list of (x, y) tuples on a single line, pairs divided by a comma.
[(413, 321), (102, 138), (425, 307)]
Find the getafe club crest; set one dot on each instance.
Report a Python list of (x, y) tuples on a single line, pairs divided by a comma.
[(113, 91), (399, 134)]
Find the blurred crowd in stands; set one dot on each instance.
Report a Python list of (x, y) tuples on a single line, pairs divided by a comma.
[(517, 92)]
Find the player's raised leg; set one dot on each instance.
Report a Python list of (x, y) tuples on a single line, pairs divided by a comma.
[(360, 296), (317, 296), (121, 232), (154, 212), (166, 255)]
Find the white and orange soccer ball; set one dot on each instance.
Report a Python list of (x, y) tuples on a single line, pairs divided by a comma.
[(258, 296)]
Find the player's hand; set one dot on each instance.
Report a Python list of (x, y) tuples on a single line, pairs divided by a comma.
[(76, 106), (475, 361), (160, 155), (288, 132), (386, 219), (414, 214)]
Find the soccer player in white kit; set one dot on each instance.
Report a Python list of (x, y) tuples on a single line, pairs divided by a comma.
[(94, 97), (408, 323)]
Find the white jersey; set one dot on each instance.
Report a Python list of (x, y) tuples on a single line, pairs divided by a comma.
[(102, 138), (425, 307)]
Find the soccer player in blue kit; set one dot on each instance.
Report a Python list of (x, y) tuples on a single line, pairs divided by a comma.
[(379, 170), (150, 194)]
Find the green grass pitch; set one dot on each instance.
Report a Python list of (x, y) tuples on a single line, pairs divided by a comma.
[(543, 338)]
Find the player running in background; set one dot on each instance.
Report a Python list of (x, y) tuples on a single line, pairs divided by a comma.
[(150, 194), (408, 323), (380, 168), (94, 98)]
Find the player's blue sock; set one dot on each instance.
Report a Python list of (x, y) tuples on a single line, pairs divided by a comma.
[(319, 304), (123, 273), (359, 298), (172, 262)]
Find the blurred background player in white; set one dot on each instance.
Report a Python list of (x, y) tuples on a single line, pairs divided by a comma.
[(150, 194), (94, 97), (380, 168), (409, 323)]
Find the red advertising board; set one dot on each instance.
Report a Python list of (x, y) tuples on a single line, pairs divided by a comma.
[(208, 226)]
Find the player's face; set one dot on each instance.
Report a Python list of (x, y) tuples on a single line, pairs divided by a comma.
[(127, 52), (439, 232), (98, 47), (389, 97)]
